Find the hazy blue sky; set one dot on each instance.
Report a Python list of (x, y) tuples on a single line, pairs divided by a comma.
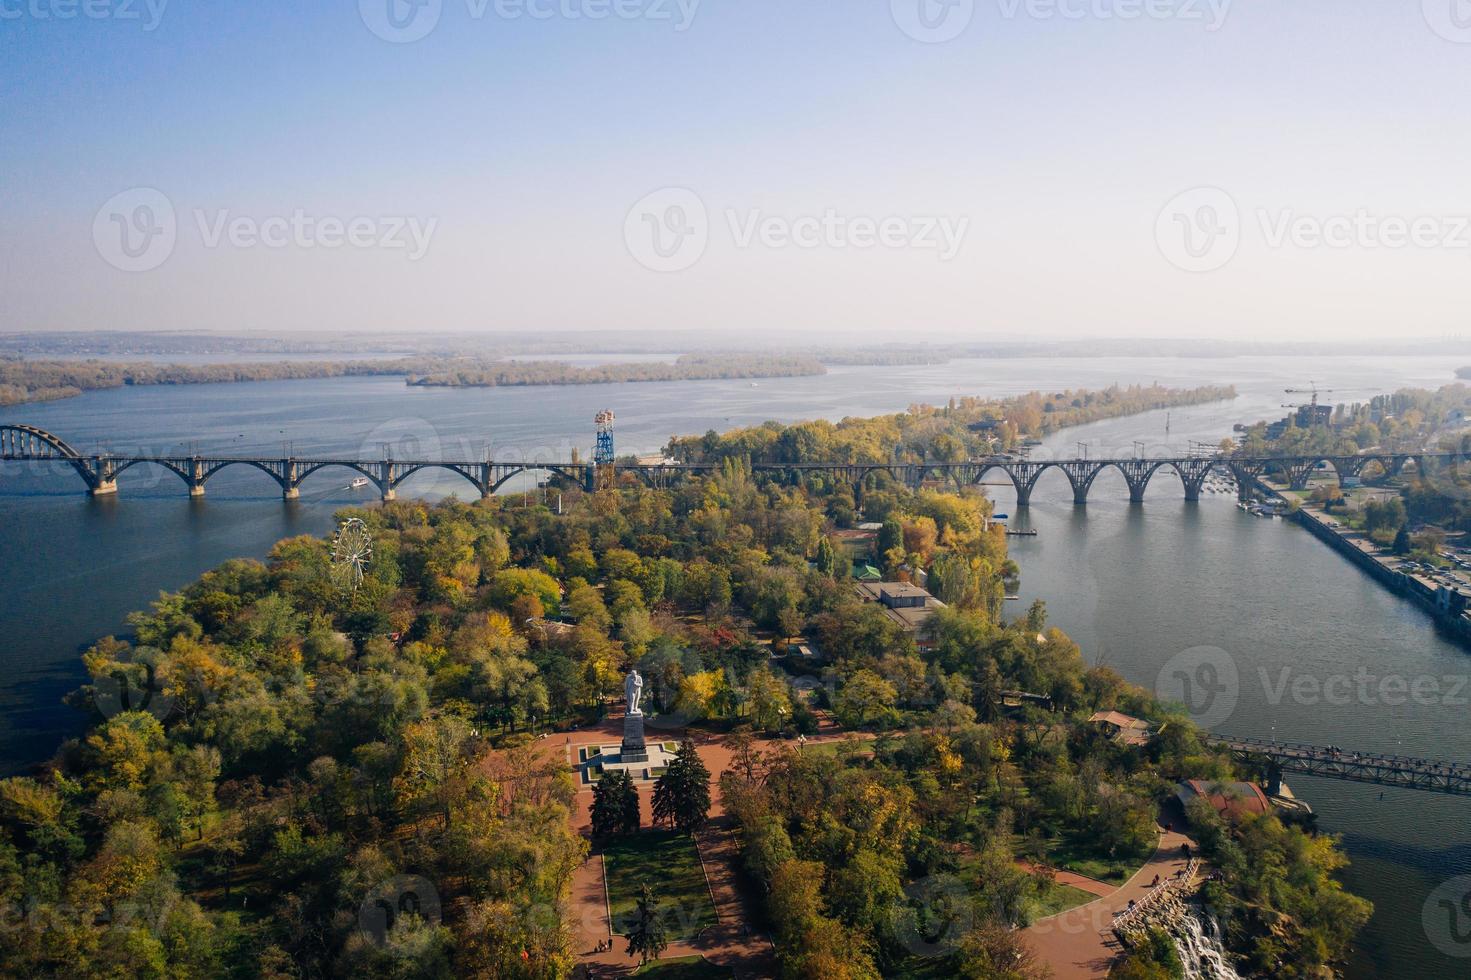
[(1023, 177)]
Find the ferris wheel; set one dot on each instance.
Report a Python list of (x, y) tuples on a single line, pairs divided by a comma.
[(352, 547)]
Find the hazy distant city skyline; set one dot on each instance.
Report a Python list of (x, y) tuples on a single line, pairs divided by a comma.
[(1015, 168)]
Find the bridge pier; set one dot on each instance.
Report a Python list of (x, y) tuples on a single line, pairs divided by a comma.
[(196, 477), (1274, 779), (104, 477), (291, 493), (1024, 476), (1081, 474)]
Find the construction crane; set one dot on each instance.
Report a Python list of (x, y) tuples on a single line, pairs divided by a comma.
[(1311, 389), (1315, 416)]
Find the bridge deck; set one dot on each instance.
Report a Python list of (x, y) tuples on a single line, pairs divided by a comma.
[(1432, 775)]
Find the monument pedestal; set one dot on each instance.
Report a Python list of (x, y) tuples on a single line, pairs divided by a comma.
[(634, 748)]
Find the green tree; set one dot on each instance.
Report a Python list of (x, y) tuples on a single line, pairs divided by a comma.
[(864, 697), (646, 936), (767, 697), (615, 806), (682, 794), (827, 560)]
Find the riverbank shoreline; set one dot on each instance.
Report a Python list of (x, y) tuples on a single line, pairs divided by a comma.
[(1438, 601)]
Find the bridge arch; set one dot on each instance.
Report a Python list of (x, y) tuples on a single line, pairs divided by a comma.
[(1023, 474), (517, 469), (218, 465), (307, 471), (28, 442), (13, 436), (167, 464), (474, 480), (1137, 473)]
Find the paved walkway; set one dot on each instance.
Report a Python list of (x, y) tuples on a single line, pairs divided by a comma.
[(1090, 885), (1079, 944), (732, 942)]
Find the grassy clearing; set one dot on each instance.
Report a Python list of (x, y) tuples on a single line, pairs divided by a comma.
[(683, 968), (1077, 854), (1060, 898), (670, 865)]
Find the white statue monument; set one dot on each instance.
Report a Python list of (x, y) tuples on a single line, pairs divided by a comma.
[(633, 689), (634, 748)]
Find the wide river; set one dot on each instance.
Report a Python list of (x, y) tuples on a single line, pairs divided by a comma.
[(1134, 585)]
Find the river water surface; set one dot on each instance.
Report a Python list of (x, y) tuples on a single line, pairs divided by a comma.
[(1135, 585)]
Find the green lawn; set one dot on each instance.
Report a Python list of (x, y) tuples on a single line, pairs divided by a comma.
[(670, 865), (1076, 853), (1060, 898), (683, 968)]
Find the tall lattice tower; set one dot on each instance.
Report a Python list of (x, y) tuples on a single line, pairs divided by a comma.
[(602, 455)]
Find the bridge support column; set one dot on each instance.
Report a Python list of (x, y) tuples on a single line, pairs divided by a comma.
[(1081, 474), (1024, 476), (385, 481), (290, 480), (104, 479), (196, 477)]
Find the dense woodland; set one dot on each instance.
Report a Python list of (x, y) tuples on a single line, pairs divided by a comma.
[(30, 381), (687, 367), (960, 430), (269, 753)]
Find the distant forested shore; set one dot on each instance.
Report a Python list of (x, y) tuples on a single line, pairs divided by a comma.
[(690, 367), (23, 381)]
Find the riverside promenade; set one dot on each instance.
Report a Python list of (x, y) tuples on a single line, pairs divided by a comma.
[(1079, 944)]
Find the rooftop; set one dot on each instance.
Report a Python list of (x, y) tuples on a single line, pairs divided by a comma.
[(1229, 799)]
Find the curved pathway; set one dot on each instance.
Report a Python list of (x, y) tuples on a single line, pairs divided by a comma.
[(1079, 944)]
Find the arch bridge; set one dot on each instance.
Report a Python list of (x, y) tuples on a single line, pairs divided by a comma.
[(100, 470)]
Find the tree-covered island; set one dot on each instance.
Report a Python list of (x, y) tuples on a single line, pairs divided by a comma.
[(284, 777)]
